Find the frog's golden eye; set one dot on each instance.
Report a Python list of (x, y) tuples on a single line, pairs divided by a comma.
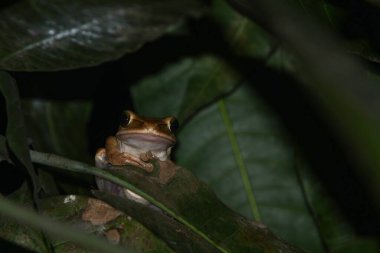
[(173, 124), (125, 119)]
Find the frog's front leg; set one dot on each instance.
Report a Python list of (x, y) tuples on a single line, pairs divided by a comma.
[(101, 158), (147, 156), (104, 185), (117, 158)]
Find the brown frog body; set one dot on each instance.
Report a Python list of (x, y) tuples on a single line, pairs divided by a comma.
[(137, 141)]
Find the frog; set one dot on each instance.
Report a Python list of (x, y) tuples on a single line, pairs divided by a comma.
[(138, 141)]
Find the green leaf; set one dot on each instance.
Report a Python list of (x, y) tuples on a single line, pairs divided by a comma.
[(187, 200), (56, 34), (209, 80), (248, 39), (344, 94), (58, 127), (254, 170), (15, 131), (245, 37), (196, 83)]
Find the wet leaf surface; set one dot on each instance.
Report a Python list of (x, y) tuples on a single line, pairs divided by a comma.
[(56, 34)]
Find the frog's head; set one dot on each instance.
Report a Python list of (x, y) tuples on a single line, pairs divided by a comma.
[(147, 133)]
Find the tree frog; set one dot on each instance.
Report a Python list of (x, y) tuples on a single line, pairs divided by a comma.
[(137, 141)]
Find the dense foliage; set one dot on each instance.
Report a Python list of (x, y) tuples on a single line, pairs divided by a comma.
[(279, 107)]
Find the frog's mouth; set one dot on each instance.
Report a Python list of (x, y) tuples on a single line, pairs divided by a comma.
[(146, 141)]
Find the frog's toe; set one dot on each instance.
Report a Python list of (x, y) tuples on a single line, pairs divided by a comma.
[(147, 156)]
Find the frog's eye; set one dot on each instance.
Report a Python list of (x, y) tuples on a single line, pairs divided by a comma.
[(173, 124), (125, 119)]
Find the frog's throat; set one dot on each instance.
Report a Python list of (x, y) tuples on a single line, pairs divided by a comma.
[(136, 149)]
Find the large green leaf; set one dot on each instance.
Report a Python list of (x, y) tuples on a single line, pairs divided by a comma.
[(290, 205), (265, 175), (263, 155), (57, 34), (254, 169)]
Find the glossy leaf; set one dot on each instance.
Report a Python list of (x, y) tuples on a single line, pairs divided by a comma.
[(55, 34)]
